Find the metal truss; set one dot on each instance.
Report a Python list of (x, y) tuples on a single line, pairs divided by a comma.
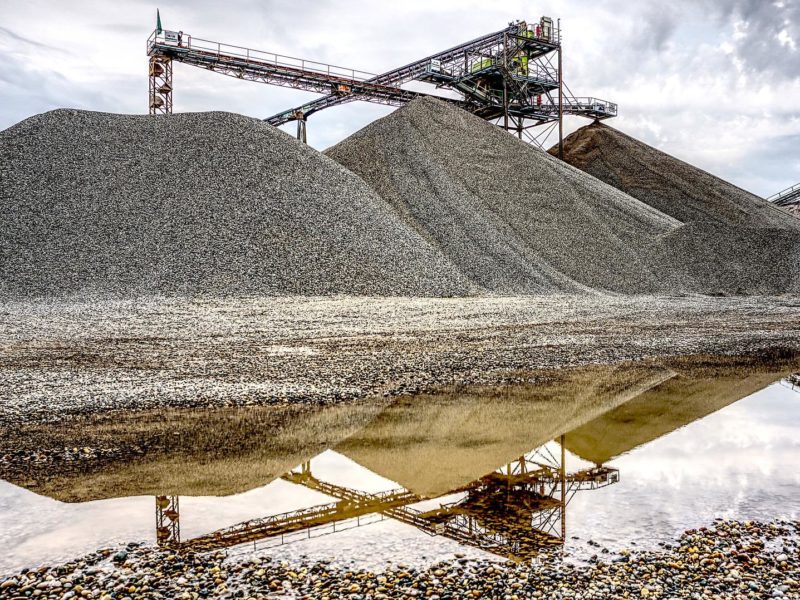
[(514, 512), (395, 77), (160, 85), (356, 504), (168, 529), (512, 77), (786, 197), (275, 69)]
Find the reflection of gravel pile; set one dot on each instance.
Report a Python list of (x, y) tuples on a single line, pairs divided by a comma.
[(511, 217), (212, 202), (733, 241)]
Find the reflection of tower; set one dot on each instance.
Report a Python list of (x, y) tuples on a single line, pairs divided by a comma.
[(521, 508), (168, 528), (514, 512)]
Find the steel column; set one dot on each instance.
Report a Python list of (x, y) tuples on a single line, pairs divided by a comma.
[(301, 131), (560, 106), (563, 484)]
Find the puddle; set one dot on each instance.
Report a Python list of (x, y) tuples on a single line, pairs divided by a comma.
[(577, 462)]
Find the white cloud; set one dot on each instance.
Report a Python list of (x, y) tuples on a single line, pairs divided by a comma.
[(711, 81)]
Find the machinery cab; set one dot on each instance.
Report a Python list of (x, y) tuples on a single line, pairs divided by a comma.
[(546, 29)]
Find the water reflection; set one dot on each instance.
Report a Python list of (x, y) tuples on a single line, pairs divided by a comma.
[(513, 512), (506, 470)]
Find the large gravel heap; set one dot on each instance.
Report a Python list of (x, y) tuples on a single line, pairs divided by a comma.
[(429, 201), (732, 241), (210, 203), (512, 218)]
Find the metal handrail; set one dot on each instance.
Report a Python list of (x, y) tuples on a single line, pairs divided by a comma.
[(257, 56), (786, 192)]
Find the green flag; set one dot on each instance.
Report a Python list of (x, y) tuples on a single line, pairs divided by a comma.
[(158, 22)]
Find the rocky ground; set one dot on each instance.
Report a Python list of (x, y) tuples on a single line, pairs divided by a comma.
[(64, 359), (729, 560)]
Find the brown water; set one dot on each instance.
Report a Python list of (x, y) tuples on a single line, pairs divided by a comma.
[(575, 463)]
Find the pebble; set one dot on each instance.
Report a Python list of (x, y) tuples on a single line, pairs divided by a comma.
[(699, 566)]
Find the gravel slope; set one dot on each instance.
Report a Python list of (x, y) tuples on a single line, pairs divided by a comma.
[(211, 203), (733, 242), (514, 219)]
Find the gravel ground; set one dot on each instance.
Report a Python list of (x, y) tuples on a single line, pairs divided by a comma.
[(732, 241), (730, 560), (512, 218), (61, 359), (211, 203)]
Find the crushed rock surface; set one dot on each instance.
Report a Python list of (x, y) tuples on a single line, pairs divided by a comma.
[(729, 559), (68, 358), (212, 203)]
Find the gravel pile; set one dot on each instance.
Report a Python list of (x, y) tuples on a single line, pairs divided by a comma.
[(732, 242), (512, 218), (210, 203), (793, 208)]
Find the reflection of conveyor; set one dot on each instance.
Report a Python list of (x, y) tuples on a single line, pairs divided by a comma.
[(513, 512), (436, 447), (792, 382)]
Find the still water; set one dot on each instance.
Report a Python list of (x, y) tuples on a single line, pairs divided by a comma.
[(578, 463)]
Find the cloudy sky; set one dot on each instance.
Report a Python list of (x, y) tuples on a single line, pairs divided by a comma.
[(714, 82)]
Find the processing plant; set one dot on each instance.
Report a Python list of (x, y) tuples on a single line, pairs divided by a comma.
[(512, 77)]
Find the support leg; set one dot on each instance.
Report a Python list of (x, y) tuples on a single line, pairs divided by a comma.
[(560, 107), (301, 131)]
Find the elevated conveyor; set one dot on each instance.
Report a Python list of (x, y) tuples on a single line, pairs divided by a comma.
[(786, 197), (512, 77)]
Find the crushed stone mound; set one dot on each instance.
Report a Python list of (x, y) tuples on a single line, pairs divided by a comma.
[(666, 183), (512, 218), (733, 242), (792, 209), (211, 203)]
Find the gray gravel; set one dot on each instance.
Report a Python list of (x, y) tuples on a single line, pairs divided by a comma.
[(211, 203), (513, 218), (732, 243), (63, 359), (728, 560)]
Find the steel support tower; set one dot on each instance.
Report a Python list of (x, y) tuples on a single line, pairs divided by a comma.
[(512, 77), (168, 528)]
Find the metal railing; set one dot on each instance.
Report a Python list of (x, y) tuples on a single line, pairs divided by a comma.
[(251, 56), (590, 103), (789, 193)]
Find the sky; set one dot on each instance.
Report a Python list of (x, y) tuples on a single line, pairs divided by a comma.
[(713, 82)]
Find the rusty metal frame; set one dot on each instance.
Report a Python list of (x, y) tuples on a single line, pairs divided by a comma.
[(516, 103), (160, 85)]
